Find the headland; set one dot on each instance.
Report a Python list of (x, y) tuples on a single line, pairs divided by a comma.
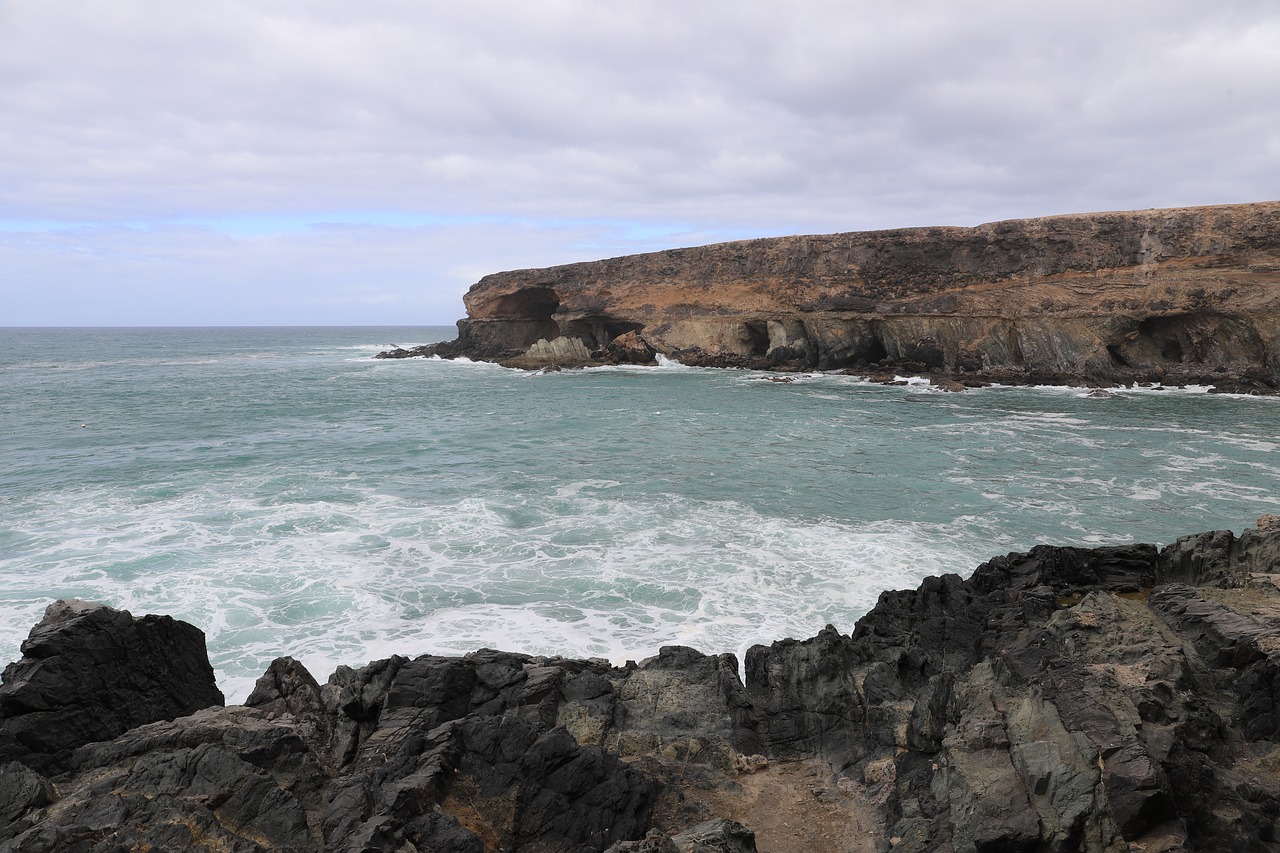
[(1175, 296)]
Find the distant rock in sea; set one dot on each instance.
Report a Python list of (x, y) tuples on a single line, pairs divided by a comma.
[(1105, 699), (1179, 296)]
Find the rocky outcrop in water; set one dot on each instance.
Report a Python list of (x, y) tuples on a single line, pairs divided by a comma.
[(1105, 699), (1185, 295)]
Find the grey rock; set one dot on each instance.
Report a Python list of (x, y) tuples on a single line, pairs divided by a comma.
[(716, 836), (656, 841)]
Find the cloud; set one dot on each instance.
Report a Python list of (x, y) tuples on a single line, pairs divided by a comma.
[(718, 118)]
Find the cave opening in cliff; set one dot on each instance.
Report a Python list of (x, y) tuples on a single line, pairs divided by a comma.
[(755, 334), (1165, 335), (515, 321), (874, 352), (1116, 358), (598, 330), (527, 303)]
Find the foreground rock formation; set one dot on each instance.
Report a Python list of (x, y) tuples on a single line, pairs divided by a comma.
[(1106, 699), (1186, 295)]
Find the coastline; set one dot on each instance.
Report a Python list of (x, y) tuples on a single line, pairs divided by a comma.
[(888, 374), (1076, 698), (1178, 296), (214, 483)]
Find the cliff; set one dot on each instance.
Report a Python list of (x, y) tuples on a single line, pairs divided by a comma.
[(1107, 699), (1177, 295)]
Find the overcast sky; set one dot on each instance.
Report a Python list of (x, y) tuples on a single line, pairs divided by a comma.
[(335, 162)]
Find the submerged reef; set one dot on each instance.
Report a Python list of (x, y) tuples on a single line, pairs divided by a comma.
[(1174, 296), (1102, 699)]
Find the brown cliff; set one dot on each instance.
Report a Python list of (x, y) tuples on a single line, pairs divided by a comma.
[(1175, 295)]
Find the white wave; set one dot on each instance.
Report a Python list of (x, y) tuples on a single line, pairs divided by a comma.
[(1051, 418), (584, 575), (489, 513), (1250, 443), (667, 363), (569, 490), (376, 348), (469, 364)]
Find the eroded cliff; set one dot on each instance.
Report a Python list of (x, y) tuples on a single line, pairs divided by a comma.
[(1176, 295)]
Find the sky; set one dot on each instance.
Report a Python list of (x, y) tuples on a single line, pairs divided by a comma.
[(316, 162)]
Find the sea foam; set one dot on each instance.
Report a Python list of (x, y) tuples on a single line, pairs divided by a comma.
[(289, 495)]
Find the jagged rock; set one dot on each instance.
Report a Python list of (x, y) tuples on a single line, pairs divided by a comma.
[(22, 790), (1221, 558), (220, 779), (286, 688), (562, 351), (1051, 701), (1063, 699), (628, 348), (89, 673), (1176, 296)]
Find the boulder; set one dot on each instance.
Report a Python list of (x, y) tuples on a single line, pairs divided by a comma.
[(90, 673)]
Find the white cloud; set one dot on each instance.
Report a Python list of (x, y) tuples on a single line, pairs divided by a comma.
[(717, 118)]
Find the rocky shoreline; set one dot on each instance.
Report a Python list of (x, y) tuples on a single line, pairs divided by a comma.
[(1105, 699), (1183, 296)]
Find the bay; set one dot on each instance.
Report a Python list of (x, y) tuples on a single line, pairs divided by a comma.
[(289, 494)]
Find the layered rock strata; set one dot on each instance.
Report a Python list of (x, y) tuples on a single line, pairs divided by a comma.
[(1106, 699), (1184, 295)]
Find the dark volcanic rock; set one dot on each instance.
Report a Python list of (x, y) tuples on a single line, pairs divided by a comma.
[(1106, 699), (1053, 701), (89, 673)]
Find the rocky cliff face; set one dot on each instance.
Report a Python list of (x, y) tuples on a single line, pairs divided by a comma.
[(1178, 295), (1107, 699)]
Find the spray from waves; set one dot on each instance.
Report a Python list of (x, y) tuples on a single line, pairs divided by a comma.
[(574, 573)]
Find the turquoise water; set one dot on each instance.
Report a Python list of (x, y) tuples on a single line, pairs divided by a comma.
[(291, 495)]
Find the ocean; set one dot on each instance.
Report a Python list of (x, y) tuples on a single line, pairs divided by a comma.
[(289, 494)]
